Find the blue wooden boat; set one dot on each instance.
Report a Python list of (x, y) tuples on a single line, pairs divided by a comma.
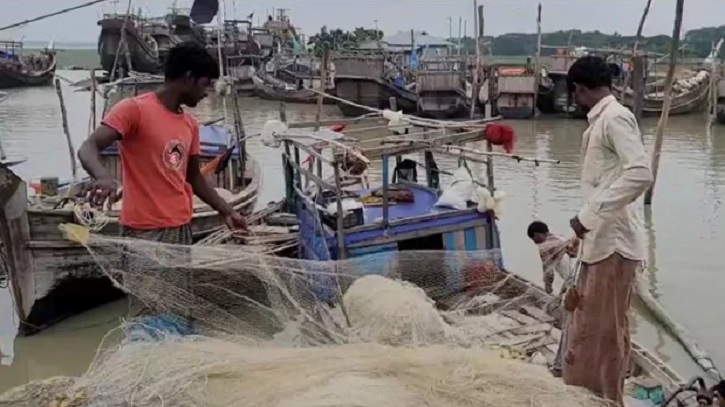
[(389, 225)]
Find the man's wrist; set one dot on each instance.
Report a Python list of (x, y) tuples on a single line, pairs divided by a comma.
[(226, 209)]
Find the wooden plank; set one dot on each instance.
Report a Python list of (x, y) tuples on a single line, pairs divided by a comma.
[(536, 313), (519, 317), (532, 329)]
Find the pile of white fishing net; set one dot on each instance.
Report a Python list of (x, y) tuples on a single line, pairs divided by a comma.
[(260, 338)]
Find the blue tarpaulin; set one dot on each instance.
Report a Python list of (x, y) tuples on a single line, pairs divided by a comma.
[(203, 11)]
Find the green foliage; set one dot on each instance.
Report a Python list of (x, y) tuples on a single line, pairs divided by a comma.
[(698, 42), (339, 39)]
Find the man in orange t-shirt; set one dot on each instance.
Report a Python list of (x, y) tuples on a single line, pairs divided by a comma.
[(159, 148)]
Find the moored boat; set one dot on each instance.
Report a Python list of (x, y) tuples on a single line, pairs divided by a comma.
[(516, 91), (18, 70), (140, 52), (52, 279), (271, 88), (397, 230)]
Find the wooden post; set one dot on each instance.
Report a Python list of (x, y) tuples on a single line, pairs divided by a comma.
[(66, 130), (537, 63), (476, 70), (641, 27), (340, 214), (94, 121), (482, 63), (283, 112), (323, 83), (637, 78), (667, 103)]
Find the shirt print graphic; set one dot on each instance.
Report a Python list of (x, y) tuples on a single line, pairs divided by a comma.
[(174, 155)]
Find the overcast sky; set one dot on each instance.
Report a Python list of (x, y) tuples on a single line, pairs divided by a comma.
[(502, 16)]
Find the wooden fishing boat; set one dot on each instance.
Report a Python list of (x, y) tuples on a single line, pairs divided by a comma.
[(516, 91), (51, 278), (523, 319), (689, 95), (441, 89), (18, 70), (143, 51), (270, 88), (359, 78)]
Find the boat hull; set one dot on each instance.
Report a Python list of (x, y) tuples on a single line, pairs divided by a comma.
[(13, 79), (264, 90), (51, 278), (516, 113), (372, 93), (142, 56), (721, 113)]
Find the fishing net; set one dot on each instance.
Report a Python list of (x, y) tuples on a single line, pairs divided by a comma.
[(225, 326)]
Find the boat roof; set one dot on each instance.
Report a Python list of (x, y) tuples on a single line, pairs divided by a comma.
[(213, 142)]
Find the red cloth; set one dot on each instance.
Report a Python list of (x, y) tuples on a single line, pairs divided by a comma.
[(501, 135), (338, 127)]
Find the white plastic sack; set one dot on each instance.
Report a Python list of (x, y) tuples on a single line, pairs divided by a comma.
[(460, 191)]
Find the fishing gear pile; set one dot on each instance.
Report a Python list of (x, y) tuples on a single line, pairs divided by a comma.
[(232, 328)]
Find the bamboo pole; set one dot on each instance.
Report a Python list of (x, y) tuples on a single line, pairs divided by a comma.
[(641, 26), (94, 120), (66, 130), (667, 103), (474, 85), (537, 64)]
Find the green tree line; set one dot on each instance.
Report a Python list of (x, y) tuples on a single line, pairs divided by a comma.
[(697, 43)]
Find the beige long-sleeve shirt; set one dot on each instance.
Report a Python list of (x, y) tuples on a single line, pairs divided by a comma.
[(615, 173)]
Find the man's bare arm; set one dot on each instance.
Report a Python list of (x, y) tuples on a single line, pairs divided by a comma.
[(203, 189), (90, 151)]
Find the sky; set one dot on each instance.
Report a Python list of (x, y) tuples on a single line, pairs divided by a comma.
[(501, 16)]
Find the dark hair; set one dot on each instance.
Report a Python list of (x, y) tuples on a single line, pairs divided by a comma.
[(537, 227), (190, 58), (591, 72)]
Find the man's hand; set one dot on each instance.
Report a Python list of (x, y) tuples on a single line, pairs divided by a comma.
[(235, 221), (578, 228), (571, 299), (101, 191)]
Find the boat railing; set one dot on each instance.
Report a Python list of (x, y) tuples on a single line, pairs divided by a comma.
[(320, 164), (359, 65)]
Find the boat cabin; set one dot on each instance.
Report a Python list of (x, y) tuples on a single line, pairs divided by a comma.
[(345, 218)]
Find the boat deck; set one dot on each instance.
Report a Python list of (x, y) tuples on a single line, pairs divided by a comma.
[(423, 204)]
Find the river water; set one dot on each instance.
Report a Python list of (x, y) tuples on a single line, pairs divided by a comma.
[(686, 232)]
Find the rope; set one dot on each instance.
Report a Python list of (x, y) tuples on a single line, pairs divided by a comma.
[(90, 217), (63, 11)]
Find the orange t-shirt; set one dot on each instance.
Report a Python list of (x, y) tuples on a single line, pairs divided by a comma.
[(155, 147)]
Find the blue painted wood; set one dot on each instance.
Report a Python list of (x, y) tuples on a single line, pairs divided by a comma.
[(356, 237), (379, 260), (470, 239)]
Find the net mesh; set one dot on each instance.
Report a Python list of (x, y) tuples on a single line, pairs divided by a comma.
[(224, 326)]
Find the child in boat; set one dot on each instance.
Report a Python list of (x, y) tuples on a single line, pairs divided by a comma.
[(555, 253)]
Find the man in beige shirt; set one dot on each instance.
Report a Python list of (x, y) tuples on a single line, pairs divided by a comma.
[(615, 173)]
